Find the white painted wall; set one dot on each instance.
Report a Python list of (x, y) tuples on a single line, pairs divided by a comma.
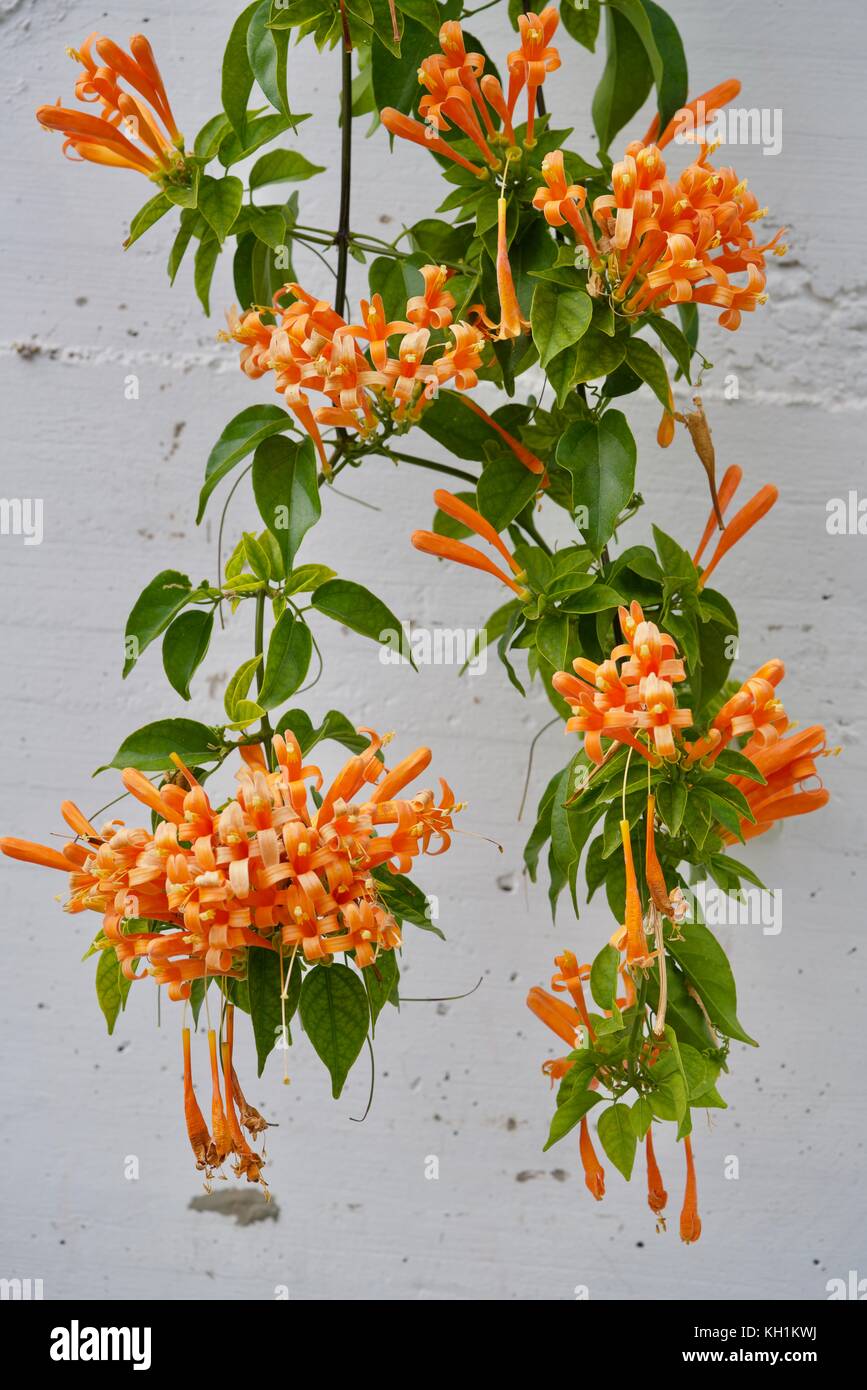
[(119, 481)]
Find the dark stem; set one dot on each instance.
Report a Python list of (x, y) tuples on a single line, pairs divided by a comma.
[(342, 235), (428, 463), (265, 729)]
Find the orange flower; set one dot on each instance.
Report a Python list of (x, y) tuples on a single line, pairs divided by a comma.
[(690, 1221), (789, 765), (448, 549), (727, 489), (561, 202), (448, 101), (512, 321), (637, 954), (433, 309), (461, 362), (652, 868), (682, 242), (708, 104), (396, 123), (145, 117), (530, 64), (569, 976), (660, 715), (657, 1197), (742, 522), (555, 1014), (594, 1173), (526, 456)]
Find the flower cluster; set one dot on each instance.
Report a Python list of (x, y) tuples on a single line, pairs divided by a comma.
[(310, 347), (663, 243), (571, 1023), (264, 871), (458, 97), (143, 115), (638, 696)]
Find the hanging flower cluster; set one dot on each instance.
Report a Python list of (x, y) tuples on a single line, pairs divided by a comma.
[(266, 870), (459, 98), (572, 1023), (310, 347), (663, 243), (143, 116)]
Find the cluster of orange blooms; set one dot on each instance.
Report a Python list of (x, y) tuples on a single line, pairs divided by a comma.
[(668, 243), (310, 347), (143, 115), (570, 1023), (266, 870), (459, 96)]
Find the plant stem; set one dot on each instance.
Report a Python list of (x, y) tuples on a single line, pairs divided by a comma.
[(342, 235), (427, 463), (265, 729)]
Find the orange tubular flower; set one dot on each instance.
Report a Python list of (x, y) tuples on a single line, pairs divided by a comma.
[(396, 123), (433, 309), (529, 459), (652, 868), (512, 321), (569, 976), (727, 489), (200, 1140), (706, 106), (462, 361), (788, 764), (555, 1014), (560, 202), (742, 522), (657, 1197), (637, 954), (660, 715), (146, 117), (690, 1221), (447, 549), (530, 64), (594, 1173)]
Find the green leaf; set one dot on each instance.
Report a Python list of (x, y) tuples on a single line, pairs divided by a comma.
[(266, 52), (189, 220), (357, 608), (705, 962), (237, 76), (552, 639), (559, 317), (394, 76), (282, 166), (335, 1015), (646, 362), (259, 132), (153, 610), (207, 255), (626, 79), (381, 980), (220, 202), (305, 578), (600, 455), (405, 900), (604, 975), (581, 21), (264, 987), (674, 340), (185, 647), (207, 142), (239, 685), (568, 1115), (641, 1116), (397, 280), (286, 491), (504, 489), (289, 652), (240, 437), (730, 761), (671, 801), (146, 217), (112, 986), (618, 1137), (672, 87), (150, 747)]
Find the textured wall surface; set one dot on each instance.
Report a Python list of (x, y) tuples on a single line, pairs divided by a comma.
[(461, 1080)]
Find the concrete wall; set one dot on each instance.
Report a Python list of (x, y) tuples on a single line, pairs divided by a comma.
[(461, 1081)]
